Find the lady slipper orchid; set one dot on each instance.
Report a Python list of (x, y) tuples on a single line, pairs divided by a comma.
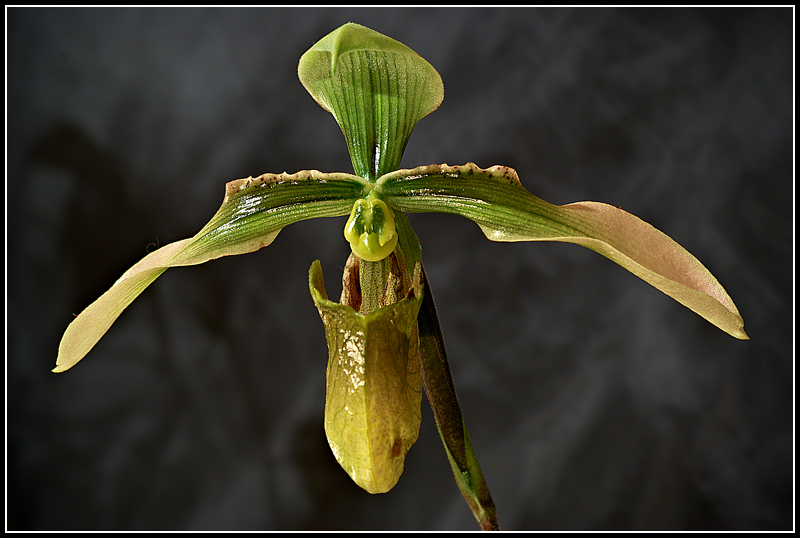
[(383, 337)]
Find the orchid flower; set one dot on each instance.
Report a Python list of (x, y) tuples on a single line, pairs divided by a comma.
[(383, 336)]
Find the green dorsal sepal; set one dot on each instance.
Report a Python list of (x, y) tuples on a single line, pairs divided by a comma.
[(370, 228), (376, 88)]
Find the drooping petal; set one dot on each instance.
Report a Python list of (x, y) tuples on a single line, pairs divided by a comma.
[(376, 88), (496, 200), (252, 214)]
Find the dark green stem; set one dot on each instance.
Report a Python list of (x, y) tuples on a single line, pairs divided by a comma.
[(441, 393)]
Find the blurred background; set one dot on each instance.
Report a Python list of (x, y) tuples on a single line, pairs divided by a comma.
[(593, 400)]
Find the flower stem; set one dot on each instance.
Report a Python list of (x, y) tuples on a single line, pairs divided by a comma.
[(438, 383)]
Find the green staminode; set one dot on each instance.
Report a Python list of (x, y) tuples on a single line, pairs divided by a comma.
[(370, 229)]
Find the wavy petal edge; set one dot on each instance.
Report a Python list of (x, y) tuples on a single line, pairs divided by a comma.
[(252, 214), (495, 199)]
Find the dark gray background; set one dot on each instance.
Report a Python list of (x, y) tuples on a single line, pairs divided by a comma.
[(593, 401)]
